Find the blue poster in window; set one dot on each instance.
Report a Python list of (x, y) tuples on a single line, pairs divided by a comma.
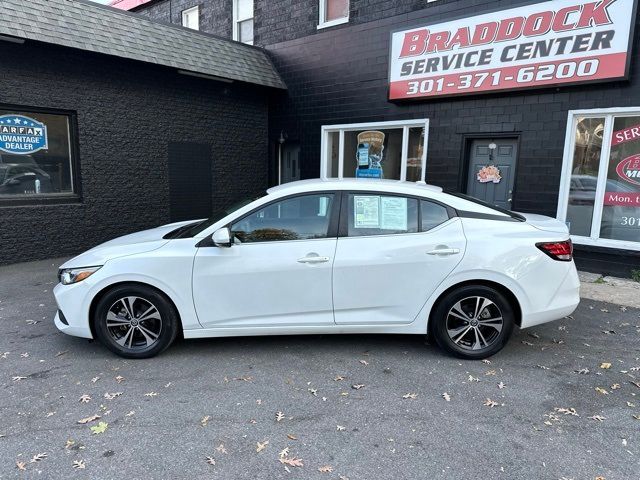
[(22, 135)]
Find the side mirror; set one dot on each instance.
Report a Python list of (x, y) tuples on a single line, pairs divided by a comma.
[(222, 237)]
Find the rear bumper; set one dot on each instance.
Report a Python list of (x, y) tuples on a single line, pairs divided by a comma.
[(563, 303)]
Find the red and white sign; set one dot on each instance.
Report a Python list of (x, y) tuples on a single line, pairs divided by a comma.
[(625, 135), (629, 169), (548, 43)]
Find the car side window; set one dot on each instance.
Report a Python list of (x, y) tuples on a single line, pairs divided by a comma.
[(302, 217), (371, 214), (433, 214)]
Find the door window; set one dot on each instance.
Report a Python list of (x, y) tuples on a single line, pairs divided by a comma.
[(433, 214), (298, 218), (370, 214)]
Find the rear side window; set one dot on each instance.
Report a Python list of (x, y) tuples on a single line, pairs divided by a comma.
[(303, 217), (370, 214), (433, 214)]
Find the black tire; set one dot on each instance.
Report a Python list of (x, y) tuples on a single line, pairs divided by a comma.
[(448, 328), (136, 335)]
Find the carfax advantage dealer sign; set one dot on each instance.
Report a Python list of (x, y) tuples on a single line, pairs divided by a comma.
[(549, 43)]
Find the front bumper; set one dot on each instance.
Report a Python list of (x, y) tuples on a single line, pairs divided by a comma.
[(70, 300)]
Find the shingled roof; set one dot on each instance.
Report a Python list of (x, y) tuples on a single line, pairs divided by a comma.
[(97, 28)]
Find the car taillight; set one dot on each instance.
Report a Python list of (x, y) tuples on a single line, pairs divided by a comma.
[(562, 251)]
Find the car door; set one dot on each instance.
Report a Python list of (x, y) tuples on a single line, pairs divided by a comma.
[(278, 270), (392, 253)]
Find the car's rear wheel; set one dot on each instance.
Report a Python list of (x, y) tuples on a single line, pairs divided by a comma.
[(135, 321), (473, 322)]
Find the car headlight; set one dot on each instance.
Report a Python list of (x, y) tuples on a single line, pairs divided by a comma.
[(67, 276)]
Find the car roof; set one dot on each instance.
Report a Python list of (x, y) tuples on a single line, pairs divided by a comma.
[(380, 185)]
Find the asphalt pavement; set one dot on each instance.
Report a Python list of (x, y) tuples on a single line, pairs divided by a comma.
[(561, 401)]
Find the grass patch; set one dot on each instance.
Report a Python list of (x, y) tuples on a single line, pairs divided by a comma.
[(601, 279), (635, 275)]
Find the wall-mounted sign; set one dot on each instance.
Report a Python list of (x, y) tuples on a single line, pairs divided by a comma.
[(548, 43), (629, 169), (22, 135)]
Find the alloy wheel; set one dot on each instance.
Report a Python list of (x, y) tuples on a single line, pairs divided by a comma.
[(134, 323), (474, 323)]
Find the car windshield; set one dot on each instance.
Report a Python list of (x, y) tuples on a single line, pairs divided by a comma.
[(192, 229)]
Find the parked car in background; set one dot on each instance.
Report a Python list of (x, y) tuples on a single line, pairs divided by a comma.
[(23, 178), (326, 256)]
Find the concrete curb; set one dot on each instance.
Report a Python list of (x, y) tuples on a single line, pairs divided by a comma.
[(619, 291)]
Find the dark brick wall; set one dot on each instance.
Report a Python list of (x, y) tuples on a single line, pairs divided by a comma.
[(127, 114), (341, 75), (215, 15)]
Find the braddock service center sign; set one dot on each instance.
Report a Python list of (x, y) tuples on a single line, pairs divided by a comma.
[(22, 135), (549, 43)]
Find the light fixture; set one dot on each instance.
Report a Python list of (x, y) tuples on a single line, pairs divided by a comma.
[(6, 38), (204, 75)]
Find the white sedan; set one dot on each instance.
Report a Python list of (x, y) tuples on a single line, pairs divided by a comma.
[(326, 256)]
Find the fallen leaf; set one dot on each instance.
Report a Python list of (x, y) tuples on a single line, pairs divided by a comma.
[(567, 411), (111, 396), (284, 453), (473, 379), (245, 379), (151, 394), (597, 417), (205, 420), (261, 446), (357, 386), (637, 384), (38, 457), (412, 396), (292, 462), (21, 465), (279, 416), (100, 428), (211, 461), (89, 419), (326, 469), (79, 464), (85, 398), (68, 444), (490, 403), (291, 437), (615, 386), (24, 355), (338, 378), (59, 354), (95, 379), (602, 391), (491, 372), (501, 386), (119, 379), (364, 362), (220, 448), (542, 367), (131, 413), (527, 343), (637, 417), (583, 371), (18, 378), (605, 365), (313, 391), (446, 396)]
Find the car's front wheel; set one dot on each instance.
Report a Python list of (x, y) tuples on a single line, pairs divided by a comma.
[(135, 321), (473, 322)]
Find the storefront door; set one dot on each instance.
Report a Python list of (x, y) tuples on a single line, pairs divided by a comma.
[(492, 164)]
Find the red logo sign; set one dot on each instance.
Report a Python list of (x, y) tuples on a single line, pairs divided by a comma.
[(629, 169)]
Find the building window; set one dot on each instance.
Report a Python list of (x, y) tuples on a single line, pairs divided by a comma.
[(36, 156), (191, 18), (391, 150), (243, 21), (333, 12), (600, 186)]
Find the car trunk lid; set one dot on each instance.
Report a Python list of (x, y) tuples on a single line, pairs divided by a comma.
[(548, 224)]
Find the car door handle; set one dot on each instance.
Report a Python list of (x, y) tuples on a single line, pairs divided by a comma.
[(313, 259), (444, 251)]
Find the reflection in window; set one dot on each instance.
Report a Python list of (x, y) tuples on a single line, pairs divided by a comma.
[(621, 201), (415, 154), (584, 174), (35, 154), (433, 214), (299, 218)]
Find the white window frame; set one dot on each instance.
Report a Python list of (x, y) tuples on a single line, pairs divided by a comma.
[(567, 165), (325, 164), (331, 23), (189, 11), (237, 20)]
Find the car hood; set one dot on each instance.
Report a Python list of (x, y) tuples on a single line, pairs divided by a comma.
[(132, 244), (542, 222)]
